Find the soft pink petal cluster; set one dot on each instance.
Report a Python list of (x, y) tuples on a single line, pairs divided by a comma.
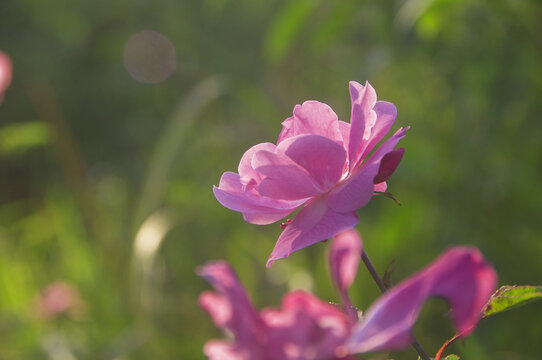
[(308, 328), (303, 328), (5, 73), (320, 162)]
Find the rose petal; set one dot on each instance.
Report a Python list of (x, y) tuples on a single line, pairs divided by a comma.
[(306, 327), (357, 190), (222, 350), (460, 275), (362, 118), (381, 187), (264, 218), (230, 308), (248, 205), (257, 208), (388, 164), (322, 158), (246, 171), (388, 146), (219, 307), (302, 302), (344, 128), (344, 257), (285, 179), (386, 113), (315, 222), (313, 117)]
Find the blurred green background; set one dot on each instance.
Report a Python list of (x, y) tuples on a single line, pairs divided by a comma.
[(106, 181)]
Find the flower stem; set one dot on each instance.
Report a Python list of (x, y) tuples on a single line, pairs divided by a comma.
[(373, 272), (383, 288)]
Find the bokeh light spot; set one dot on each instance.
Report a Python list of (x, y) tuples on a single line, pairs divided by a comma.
[(149, 57)]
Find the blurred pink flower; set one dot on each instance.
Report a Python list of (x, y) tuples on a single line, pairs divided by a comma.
[(5, 73), (303, 328), (308, 328), (320, 162), (58, 298)]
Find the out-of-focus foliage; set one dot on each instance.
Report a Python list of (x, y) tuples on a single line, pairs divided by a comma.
[(106, 182)]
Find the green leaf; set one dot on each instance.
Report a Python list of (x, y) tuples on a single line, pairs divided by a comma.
[(451, 357), (509, 297)]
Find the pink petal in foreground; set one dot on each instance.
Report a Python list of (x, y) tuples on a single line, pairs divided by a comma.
[(460, 275), (344, 257), (222, 350), (315, 222), (230, 307), (306, 327)]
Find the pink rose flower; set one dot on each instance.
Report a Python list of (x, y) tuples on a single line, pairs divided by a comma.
[(307, 328), (319, 162), (5, 73)]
